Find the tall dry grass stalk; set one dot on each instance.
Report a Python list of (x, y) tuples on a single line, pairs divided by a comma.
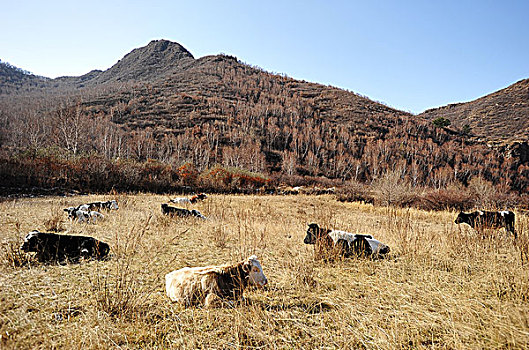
[(119, 289), (55, 222)]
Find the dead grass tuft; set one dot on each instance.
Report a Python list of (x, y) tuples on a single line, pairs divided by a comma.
[(55, 222), (119, 291), (11, 256)]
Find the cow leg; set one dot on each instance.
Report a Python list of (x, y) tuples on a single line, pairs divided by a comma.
[(509, 227), (342, 248), (212, 300)]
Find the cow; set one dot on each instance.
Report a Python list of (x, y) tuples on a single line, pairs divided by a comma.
[(181, 201), (343, 243), (181, 212), (83, 215), (198, 197), (189, 201), (488, 219), (211, 285), (52, 247), (108, 205)]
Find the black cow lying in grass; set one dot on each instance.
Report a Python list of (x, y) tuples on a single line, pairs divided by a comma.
[(51, 247), (343, 243), (181, 212), (488, 219)]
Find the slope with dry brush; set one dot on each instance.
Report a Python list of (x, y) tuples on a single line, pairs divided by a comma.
[(443, 286), (501, 115)]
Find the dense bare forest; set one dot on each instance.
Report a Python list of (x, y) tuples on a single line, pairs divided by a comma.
[(220, 124)]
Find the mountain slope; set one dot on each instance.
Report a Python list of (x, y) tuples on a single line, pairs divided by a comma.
[(160, 104), (13, 79), (220, 87), (502, 115)]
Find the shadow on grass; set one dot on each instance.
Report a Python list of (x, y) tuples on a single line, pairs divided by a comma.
[(314, 307)]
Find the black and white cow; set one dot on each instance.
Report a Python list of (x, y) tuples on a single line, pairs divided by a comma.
[(83, 215), (344, 243), (51, 247), (488, 219), (189, 201), (108, 205), (180, 212)]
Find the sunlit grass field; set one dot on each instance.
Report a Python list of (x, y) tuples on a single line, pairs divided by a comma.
[(442, 287)]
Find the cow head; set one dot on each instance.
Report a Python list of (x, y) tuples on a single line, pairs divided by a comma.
[(31, 242), (196, 213), (71, 211), (314, 232), (377, 248), (256, 276), (462, 218), (113, 204)]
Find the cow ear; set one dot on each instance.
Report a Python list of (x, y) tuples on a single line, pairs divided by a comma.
[(246, 266)]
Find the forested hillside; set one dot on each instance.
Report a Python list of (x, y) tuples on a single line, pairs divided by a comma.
[(162, 118)]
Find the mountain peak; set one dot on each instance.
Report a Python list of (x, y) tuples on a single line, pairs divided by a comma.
[(157, 59), (166, 47)]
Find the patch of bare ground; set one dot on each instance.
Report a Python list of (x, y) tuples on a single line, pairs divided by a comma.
[(443, 286)]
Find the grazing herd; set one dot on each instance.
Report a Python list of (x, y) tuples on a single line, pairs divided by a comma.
[(86, 212), (213, 285)]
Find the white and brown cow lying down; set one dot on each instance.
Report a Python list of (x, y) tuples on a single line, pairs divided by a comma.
[(51, 247), (343, 243), (181, 212), (192, 200), (211, 285), (488, 219), (83, 215)]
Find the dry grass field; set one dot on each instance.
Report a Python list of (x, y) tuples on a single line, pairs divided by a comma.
[(443, 287)]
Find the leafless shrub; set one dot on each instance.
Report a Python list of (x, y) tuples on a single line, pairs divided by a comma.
[(355, 192), (484, 193), (54, 223), (391, 189), (442, 199)]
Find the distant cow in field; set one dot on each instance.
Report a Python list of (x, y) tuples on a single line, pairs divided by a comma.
[(83, 215), (343, 243), (181, 212), (211, 284), (109, 205), (488, 219), (194, 199), (51, 247), (181, 201)]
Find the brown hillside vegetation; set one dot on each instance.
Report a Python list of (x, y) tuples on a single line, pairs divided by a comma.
[(161, 105), (502, 115), (443, 286)]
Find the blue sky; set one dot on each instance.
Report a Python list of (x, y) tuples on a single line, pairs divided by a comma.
[(411, 55)]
